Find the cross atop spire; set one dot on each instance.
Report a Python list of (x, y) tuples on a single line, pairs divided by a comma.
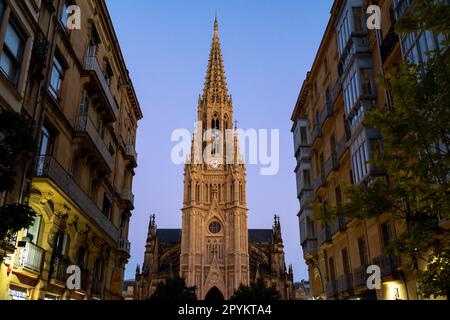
[(215, 89)]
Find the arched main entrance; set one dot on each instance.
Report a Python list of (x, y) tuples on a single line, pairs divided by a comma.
[(214, 295)]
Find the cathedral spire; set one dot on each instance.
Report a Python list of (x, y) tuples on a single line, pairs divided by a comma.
[(215, 89)]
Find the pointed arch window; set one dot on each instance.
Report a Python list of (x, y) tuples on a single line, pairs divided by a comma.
[(189, 192), (215, 123), (197, 192)]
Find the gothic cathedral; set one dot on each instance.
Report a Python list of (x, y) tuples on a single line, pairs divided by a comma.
[(214, 251)]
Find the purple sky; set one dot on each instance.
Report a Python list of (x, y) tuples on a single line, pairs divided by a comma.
[(268, 46)]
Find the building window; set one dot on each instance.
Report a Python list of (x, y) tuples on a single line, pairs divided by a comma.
[(2, 9), (363, 255), (32, 234), (345, 261), (57, 77), (343, 33), (388, 233), (360, 158), (338, 197), (82, 258), (62, 245), (332, 269), (107, 205), (303, 136), (307, 178), (12, 53), (366, 81), (215, 227), (358, 19), (311, 228)]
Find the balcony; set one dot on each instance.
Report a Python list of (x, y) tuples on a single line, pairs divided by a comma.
[(327, 113), (325, 236), (360, 276), (304, 153), (86, 129), (124, 245), (319, 182), (357, 44), (49, 168), (127, 196), (100, 86), (131, 154), (331, 289), (58, 271), (309, 247), (345, 283), (339, 224), (29, 259), (388, 264), (306, 196)]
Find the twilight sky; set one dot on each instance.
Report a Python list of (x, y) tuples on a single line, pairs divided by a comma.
[(268, 46)]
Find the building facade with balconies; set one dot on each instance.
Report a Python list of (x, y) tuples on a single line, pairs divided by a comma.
[(81, 179), (328, 116)]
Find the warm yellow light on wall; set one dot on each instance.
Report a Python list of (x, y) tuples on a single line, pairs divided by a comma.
[(395, 290)]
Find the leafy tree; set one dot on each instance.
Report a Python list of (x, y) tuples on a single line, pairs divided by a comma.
[(174, 290), (14, 218), (256, 292), (16, 140), (415, 157)]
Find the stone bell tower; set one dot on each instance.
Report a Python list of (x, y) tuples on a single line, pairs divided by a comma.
[(214, 242)]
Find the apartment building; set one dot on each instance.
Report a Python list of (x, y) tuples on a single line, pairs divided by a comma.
[(75, 85), (333, 147)]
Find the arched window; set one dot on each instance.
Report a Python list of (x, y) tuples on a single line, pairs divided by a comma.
[(197, 192), (215, 123), (189, 192), (226, 122), (241, 193), (232, 191), (82, 258)]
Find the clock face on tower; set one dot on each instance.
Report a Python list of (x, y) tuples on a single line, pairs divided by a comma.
[(214, 164)]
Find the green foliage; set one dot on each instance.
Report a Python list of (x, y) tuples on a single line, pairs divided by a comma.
[(14, 218), (174, 290), (426, 15), (256, 292), (16, 139), (435, 281)]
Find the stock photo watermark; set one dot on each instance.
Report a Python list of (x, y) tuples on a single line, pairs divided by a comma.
[(216, 148)]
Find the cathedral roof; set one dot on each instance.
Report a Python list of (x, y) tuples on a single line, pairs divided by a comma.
[(254, 235), (215, 83), (260, 235), (169, 235)]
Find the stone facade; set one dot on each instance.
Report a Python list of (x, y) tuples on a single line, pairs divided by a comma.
[(214, 251), (333, 148), (75, 85)]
